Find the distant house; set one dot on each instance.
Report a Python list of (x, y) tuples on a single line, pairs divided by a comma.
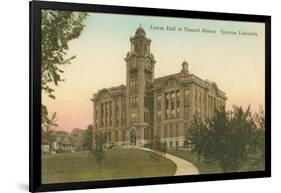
[(45, 147), (61, 142), (77, 139)]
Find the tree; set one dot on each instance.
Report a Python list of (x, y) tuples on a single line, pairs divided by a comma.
[(196, 136), (58, 28), (258, 140), (48, 127), (156, 146), (88, 138), (98, 150), (227, 139)]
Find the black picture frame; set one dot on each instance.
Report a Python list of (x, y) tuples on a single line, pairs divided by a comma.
[(35, 94)]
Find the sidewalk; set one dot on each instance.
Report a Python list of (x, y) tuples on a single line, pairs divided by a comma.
[(183, 167)]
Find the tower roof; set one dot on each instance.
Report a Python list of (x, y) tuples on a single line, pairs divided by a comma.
[(184, 63), (140, 31), (185, 67)]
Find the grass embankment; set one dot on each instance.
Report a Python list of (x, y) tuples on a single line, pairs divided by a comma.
[(118, 164), (209, 167)]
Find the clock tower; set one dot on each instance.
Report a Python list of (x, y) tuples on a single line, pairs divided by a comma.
[(140, 75)]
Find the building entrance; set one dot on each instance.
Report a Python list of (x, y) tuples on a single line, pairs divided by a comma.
[(133, 136)]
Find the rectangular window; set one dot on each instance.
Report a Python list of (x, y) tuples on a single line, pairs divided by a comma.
[(133, 101), (147, 84), (171, 144), (171, 131), (178, 99), (102, 115), (168, 114), (186, 97), (133, 85), (158, 102), (145, 134), (110, 112), (178, 112), (116, 135), (123, 119), (173, 101), (195, 99), (105, 110), (151, 117), (185, 129), (167, 101), (136, 85), (159, 131), (132, 48), (136, 101), (117, 118), (173, 114), (123, 135), (158, 115), (109, 137), (147, 101), (123, 104), (186, 111), (146, 118), (198, 103)]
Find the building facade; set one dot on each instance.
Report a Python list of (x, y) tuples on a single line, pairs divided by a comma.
[(148, 107)]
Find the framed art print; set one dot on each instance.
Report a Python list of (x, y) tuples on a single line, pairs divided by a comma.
[(126, 96)]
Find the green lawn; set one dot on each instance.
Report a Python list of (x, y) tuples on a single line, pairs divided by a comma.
[(204, 166), (118, 164), (208, 167)]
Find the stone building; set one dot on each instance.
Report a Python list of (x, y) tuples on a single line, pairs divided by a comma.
[(146, 106)]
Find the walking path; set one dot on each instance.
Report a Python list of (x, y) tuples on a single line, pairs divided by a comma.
[(183, 167)]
